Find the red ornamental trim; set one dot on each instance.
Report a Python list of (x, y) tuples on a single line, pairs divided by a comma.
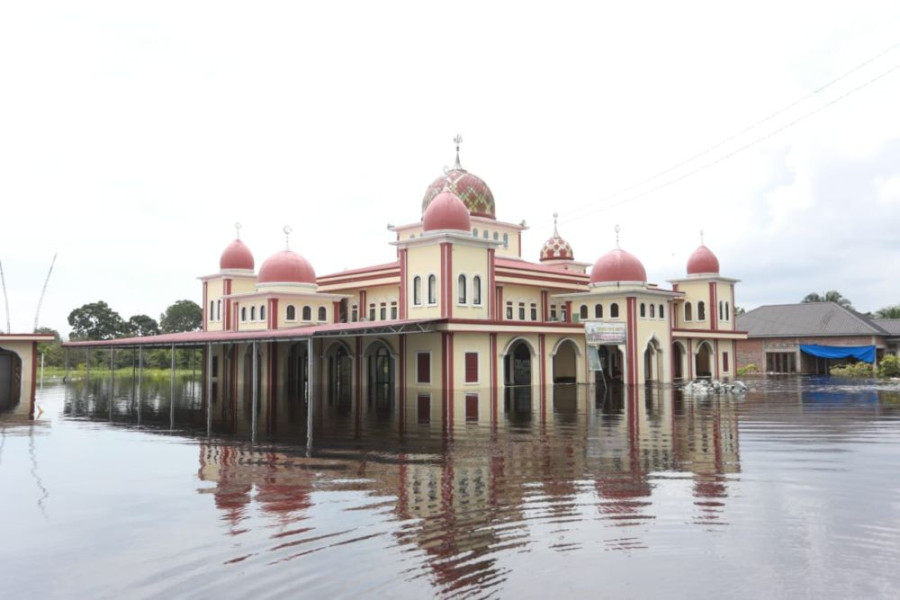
[(631, 304), (713, 307)]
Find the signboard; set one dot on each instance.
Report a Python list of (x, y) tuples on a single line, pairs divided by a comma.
[(604, 332)]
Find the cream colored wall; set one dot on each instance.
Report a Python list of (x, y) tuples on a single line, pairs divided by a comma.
[(424, 261), (694, 292), (470, 261), (649, 329), (520, 293), (298, 303), (723, 293), (376, 295)]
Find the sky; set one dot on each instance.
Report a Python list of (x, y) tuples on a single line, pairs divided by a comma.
[(133, 136)]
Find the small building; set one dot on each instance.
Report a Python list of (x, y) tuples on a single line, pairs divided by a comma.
[(809, 338), (18, 370)]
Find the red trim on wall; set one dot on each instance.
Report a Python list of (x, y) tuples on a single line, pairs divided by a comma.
[(491, 283), (498, 296), (363, 306), (229, 318), (494, 374), (545, 305), (273, 313), (520, 244), (631, 349), (569, 311), (336, 312), (716, 374), (713, 307), (404, 274), (690, 359), (541, 355), (450, 281)]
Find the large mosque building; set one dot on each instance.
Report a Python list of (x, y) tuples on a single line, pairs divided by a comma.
[(458, 316)]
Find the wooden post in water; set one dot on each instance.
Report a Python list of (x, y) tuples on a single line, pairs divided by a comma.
[(140, 381), (112, 379), (209, 362), (133, 369), (309, 393), (172, 391), (254, 394)]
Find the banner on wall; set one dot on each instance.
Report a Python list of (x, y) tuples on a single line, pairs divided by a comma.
[(604, 333)]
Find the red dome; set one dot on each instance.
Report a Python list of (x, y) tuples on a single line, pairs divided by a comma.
[(472, 190), (236, 256), (286, 267), (556, 248), (446, 211), (618, 265), (703, 261)]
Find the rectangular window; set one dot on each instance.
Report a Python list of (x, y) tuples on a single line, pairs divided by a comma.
[(521, 311), (393, 310), (471, 367), (383, 312), (534, 312), (354, 313), (725, 361), (423, 408), (423, 367), (552, 312), (371, 312), (471, 407), (509, 310)]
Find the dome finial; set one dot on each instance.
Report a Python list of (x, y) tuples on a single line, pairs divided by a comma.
[(457, 140), (237, 230), (701, 237), (555, 232), (287, 237), (618, 229)]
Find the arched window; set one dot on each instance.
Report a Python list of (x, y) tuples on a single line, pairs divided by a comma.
[(243, 313), (252, 313), (382, 311), (701, 311), (643, 310), (372, 312), (393, 310), (486, 234), (323, 314), (533, 311), (652, 311), (521, 311), (417, 290), (262, 312), (662, 311), (476, 290), (720, 310), (688, 312), (212, 309), (727, 315), (291, 313), (509, 310), (218, 310), (506, 240), (307, 313), (598, 311), (432, 289), (614, 311), (461, 288), (496, 236), (583, 311)]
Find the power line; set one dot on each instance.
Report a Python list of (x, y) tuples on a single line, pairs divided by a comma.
[(593, 207)]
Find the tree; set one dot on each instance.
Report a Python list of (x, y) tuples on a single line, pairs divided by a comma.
[(830, 296), (142, 325), (184, 315), (888, 312), (52, 351), (96, 321)]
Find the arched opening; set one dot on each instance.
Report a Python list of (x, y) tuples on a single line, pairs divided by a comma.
[(297, 372), (704, 360), (380, 374), (340, 378), (517, 364), (653, 361), (679, 362), (10, 379), (611, 360), (565, 362)]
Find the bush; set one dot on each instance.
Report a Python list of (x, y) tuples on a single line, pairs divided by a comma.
[(858, 369), (751, 368), (889, 366)]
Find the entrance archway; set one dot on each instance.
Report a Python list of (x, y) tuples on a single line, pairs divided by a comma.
[(612, 361), (340, 378), (565, 362), (703, 360), (380, 379), (679, 365), (10, 379), (653, 361), (517, 364)]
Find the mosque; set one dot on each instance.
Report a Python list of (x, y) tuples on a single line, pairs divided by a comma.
[(457, 316)]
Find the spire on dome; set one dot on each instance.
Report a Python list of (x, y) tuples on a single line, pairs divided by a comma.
[(555, 217), (556, 248), (457, 140), (701, 238), (618, 229), (287, 237), (237, 230)]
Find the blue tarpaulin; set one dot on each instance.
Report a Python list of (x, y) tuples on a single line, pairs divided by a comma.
[(863, 353)]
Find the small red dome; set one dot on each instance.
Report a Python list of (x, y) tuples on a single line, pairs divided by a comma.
[(469, 188), (618, 265), (446, 211), (286, 267), (236, 256), (556, 248), (703, 261)]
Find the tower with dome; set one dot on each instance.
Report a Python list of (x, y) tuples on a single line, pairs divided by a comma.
[(455, 321)]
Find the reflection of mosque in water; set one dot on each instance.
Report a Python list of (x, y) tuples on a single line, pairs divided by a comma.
[(470, 491)]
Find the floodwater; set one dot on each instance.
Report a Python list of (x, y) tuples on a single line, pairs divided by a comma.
[(792, 490)]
